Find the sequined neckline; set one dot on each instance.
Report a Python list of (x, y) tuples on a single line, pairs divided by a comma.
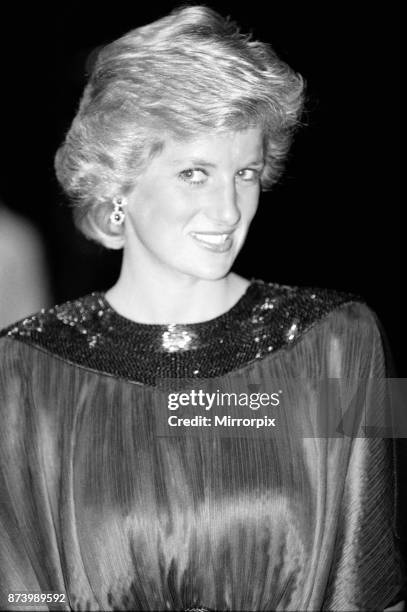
[(239, 309), (175, 337), (89, 333)]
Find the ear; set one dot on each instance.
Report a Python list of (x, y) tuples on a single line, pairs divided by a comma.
[(111, 238), (111, 242)]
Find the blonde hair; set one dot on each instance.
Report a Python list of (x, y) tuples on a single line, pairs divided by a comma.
[(189, 73)]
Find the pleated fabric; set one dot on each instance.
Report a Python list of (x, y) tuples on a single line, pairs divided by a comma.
[(96, 503)]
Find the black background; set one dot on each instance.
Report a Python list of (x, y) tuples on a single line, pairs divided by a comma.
[(332, 221)]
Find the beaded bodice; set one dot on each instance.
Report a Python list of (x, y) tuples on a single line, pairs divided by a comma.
[(90, 333)]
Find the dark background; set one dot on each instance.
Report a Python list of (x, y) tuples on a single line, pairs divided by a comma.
[(330, 222)]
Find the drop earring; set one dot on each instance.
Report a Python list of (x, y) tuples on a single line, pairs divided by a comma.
[(117, 215)]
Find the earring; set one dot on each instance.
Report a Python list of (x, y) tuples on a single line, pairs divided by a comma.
[(117, 215)]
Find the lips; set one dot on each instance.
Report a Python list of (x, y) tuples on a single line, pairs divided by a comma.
[(211, 238), (214, 241)]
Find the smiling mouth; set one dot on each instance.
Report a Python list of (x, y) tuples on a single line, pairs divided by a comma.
[(213, 241), (216, 239)]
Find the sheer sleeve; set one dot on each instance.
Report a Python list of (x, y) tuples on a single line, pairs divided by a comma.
[(29, 558), (366, 573)]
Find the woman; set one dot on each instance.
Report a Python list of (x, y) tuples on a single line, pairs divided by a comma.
[(181, 124)]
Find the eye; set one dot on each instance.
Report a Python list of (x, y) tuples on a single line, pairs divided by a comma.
[(194, 176), (249, 175)]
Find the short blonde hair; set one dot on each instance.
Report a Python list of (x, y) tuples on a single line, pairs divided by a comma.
[(189, 73)]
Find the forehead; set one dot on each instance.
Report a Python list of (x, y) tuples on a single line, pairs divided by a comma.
[(233, 146)]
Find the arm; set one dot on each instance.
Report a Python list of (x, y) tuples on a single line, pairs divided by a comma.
[(16, 569), (367, 572), (29, 558)]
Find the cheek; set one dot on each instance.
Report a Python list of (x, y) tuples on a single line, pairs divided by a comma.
[(147, 211), (168, 204), (250, 205), (163, 221)]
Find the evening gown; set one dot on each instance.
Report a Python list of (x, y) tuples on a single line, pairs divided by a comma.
[(103, 502)]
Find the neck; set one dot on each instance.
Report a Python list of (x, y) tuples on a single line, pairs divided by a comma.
[(163, 298)]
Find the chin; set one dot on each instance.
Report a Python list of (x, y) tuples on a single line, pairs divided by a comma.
[(210, 272), (214, 267)]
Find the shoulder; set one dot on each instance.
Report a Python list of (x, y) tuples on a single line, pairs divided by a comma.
[(62, 322), (322, 320), (74, 331), (298, 308), (334, 328), (316, 298)]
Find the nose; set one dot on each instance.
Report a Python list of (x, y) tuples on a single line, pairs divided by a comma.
[(224, 209)]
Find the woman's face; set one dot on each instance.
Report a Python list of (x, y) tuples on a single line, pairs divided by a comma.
[(191, 209)]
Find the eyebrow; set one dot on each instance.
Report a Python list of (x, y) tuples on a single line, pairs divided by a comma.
[(203, 162)]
